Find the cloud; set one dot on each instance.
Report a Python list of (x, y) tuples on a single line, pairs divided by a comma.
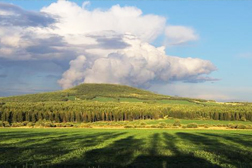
[(12, 15), (178, 35), (138, 64), (98, 46), (75, 74), (200, 79), (119, 19)]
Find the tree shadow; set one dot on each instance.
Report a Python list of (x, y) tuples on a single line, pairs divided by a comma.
[(229, 154), (118, 154), (177, 159), (43, 152), (246, 140)]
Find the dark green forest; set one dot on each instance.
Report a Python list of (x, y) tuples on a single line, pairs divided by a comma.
[(84, 111)]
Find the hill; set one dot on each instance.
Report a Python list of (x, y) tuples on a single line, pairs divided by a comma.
[(88, 92), (92, 92)]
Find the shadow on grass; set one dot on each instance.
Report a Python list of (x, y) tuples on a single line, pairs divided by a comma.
[(43, 150), (245, 140), (91, 150), (214, 144), (177, 159), (128, 152), (120, 153)]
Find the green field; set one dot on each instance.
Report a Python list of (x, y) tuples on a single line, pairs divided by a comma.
[(211, 122), (125, 148), (109, 99)]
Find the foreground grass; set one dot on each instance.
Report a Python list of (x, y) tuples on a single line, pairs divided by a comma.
[(125, 148)]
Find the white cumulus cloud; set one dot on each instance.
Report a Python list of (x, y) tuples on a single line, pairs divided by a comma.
[(138, 64)]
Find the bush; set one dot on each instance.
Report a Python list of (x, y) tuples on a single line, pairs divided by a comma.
[(16, 125), (249, 126), (39, 124), (85, 125), (241, 126), (177, 123), (128, 126), (143, 123), (168, 125), (163, 124), (206, 126), (184, 126), (230, 125), (69, 125), (24, 123), (6, 124), (243, 119), (233, 126), (48, 124), (30, 124), (1, 124), (192, 125)]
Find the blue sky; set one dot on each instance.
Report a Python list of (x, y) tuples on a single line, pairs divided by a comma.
[(224, 38)]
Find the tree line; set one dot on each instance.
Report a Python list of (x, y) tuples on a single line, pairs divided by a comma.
[(86, 111)]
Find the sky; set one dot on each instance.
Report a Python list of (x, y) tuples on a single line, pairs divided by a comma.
[(200, 49)]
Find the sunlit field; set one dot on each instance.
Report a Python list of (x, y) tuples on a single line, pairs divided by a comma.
[(70, 147)]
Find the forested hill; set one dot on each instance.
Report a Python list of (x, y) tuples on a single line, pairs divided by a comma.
[(88, 92)]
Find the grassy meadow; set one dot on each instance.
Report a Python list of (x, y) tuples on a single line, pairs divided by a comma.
[(65, 147)]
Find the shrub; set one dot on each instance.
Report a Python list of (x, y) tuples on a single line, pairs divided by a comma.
[(39, 124), (153, 126), (163, 124), (16, 125), (143, 123), (48, 124), (24, 123), (206, 126), (243, 119), (30, 124), (219, 125), (128, 126), (192, 125), (69, 125), (230, 125), (184, 126), (85, 125), (177, 123), (241, 126), (6, 124), (249, 126), (1, 124), (168, 125)]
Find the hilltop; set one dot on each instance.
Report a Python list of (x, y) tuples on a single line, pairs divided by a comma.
[(93, 91)]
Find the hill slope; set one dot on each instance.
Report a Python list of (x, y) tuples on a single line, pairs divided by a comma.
[(93, 91), (87, 92)]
